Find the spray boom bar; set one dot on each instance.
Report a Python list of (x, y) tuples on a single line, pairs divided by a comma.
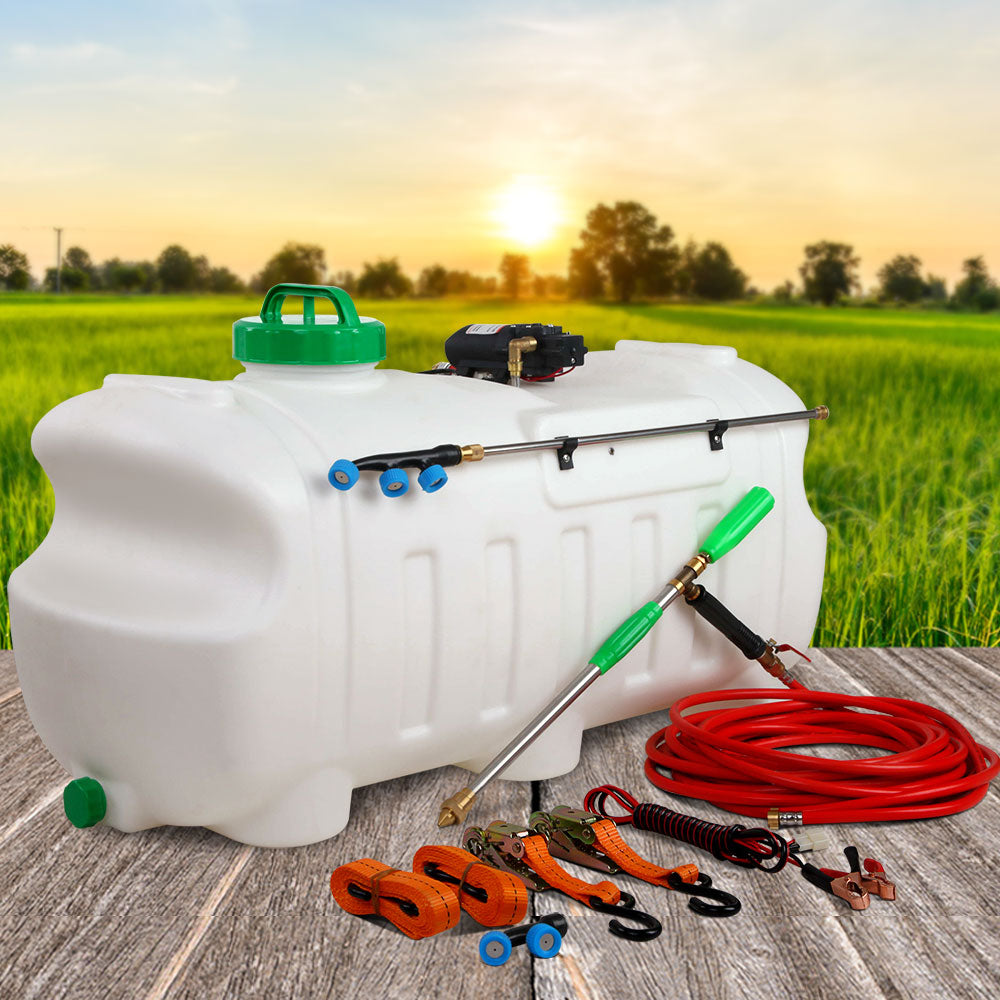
[(431, 462)]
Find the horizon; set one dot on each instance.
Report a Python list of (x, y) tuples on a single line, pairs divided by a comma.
[(449, 136)]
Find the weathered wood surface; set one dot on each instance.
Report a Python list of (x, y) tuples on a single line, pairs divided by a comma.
[(177, 913)]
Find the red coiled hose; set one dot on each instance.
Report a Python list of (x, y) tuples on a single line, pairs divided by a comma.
[(732, 757)]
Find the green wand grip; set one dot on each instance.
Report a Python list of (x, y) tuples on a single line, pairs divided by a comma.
[(738, 523), (626, 637)]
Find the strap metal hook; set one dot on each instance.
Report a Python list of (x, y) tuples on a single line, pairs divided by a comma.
[(649, 927), (701, 890)]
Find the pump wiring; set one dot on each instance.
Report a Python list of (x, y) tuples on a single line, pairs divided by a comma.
[(548, 378)]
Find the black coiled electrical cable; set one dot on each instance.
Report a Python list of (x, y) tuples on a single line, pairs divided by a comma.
[(739, 845)]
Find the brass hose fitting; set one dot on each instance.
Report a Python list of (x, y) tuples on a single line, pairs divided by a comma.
[(515, 363)]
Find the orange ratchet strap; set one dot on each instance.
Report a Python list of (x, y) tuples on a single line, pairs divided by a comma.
[(587, 839), (491, 897), (525, 854), (419, 906)]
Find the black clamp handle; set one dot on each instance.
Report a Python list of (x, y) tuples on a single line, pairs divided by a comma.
[(751, 645)]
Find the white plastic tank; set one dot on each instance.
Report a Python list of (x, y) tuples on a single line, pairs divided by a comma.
[(219, 638)]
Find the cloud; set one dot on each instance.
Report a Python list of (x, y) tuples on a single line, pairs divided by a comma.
[(144, 84), (28, 52)]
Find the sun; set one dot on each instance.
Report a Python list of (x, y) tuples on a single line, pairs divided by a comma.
[(528, 211)]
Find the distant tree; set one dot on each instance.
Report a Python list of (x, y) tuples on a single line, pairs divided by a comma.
[(461, 282), (711, 273), (585, 280), (548, 286), (79, 258), (515, 273), (977, 290), (988, 299), (467, 283), (556, 285), (346, 280), (202, 274), (829, 271), (900, 279), (684, 273), (631, 250), (177, 270), (128, 276), (70, 280), (299, 263), (222, 281), (15, 273), (111, 274), (79, 273), (433, 281), (384, 280), (785, 292), (936, 288)]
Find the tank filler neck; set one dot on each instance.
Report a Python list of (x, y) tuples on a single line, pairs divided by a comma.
[(337, 375)]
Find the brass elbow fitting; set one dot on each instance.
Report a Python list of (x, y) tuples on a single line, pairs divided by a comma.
[(515, 363)]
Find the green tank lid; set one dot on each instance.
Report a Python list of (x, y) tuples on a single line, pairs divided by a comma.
[(84, 802), (344, 339)]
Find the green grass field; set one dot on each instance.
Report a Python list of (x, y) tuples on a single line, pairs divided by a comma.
[(905, 475)]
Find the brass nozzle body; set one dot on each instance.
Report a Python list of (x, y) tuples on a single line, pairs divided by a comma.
[(456, 808)]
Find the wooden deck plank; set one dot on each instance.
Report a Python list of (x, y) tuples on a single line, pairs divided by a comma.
[(791, 939), (8, 675), (87, 913), (96, 913), (929, 856), (987, 657), (280, 934), (178, 913), (28, 774)]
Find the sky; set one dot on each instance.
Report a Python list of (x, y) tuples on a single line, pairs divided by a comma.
[(453, 132)]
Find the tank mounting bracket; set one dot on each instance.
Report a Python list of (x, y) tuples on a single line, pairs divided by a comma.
[(564, 453), (715, 434)]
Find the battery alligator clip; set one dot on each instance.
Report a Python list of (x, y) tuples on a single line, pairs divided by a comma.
[(871, 878), (840, 884), (874, 880)]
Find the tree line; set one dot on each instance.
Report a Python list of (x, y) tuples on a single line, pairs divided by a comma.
[(624, 253), (175, 270)]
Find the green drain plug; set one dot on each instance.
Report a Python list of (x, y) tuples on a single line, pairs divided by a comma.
[(85, 802)]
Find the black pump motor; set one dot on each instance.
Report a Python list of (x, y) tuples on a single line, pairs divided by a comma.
[(480, 350)]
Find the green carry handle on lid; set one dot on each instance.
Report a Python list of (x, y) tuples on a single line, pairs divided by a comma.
[(270, 340), (738, 523), (270, 311)]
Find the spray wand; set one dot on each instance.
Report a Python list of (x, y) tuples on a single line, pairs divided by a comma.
[(726, 535)]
